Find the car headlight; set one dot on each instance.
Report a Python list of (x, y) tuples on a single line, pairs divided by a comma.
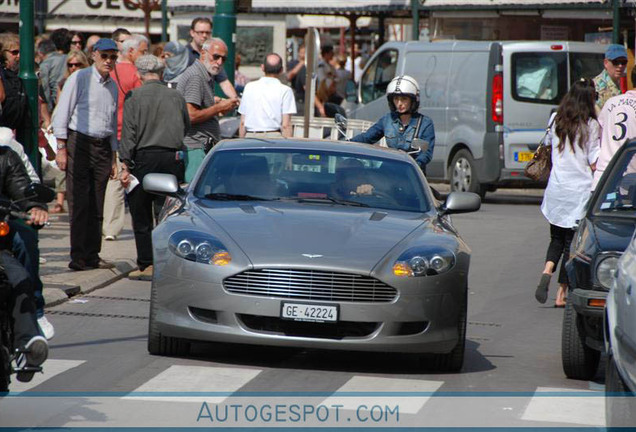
[(424, 262), (199, 247), (606, 270)]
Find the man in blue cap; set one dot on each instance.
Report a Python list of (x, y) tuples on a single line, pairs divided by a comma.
[(85, 125), (607, 83)]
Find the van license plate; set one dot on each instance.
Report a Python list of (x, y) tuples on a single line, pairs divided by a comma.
[(309, 312), (523, 156)]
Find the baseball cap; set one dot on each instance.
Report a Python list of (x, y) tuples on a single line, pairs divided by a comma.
[(105, 45), (149, 64), (615, 51)]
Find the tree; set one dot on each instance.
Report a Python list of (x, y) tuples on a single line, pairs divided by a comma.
[(147, 6)]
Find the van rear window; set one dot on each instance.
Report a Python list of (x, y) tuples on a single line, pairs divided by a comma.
[(539, 77), (585, 65)]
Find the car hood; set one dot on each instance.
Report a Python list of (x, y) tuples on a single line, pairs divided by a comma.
[(614, 234), (314, 236)]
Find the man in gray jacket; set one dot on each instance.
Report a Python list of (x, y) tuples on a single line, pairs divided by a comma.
[(155, 122)]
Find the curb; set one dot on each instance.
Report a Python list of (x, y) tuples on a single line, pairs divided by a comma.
[(59, 288)]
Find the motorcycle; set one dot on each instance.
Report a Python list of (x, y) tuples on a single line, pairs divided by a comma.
[(8, 353)]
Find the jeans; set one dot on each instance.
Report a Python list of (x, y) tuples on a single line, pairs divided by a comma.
[(26, 251), (560, 240)]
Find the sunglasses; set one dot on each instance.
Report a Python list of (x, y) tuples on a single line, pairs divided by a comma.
[(217, 57), (112, 57), (619, 62), (14, 52), (71, 65), (76, 42), (202, 33)]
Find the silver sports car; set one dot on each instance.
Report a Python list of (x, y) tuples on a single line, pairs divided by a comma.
[(314, 244)]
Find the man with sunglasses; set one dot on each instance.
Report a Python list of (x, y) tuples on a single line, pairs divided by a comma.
[(607, 83), (85, 125), (15, 112), (195, 84)]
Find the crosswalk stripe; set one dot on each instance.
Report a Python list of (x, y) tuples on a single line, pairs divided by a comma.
[(370, 384), (50, 368), (587, 409), (185, 379)]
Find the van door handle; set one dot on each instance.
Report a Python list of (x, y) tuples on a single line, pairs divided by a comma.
[(533, 147)]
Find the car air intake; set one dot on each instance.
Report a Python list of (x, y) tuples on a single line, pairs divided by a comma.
[(310, 285)]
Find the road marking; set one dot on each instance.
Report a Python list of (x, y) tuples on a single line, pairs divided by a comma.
[(50, 368), (587, 409), (191, 379), (370, 384)]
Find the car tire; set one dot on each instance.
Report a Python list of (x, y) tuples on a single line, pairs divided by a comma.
[(579, 361), (618, 412), (454, 360), (159, 344), (463, 174)]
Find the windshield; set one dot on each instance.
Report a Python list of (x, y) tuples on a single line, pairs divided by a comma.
[(312, 176), (618, 193)]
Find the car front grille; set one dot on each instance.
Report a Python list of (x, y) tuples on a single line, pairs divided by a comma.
[(310, 285), (340, 330)]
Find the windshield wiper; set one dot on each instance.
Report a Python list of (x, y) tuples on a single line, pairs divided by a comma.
[(325, 199), (234, 197)]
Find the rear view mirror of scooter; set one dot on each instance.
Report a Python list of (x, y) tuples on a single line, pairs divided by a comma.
[(418, 146), (341, 124), (39, 193)]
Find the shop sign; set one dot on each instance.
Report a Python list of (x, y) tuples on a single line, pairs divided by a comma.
[(106, 8)]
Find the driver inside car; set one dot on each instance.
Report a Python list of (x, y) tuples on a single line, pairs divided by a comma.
[(17, 285)]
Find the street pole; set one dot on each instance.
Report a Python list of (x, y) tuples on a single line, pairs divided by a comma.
[(415, 10), (225, 28), (164, 20), (616, 22), (28, 136)]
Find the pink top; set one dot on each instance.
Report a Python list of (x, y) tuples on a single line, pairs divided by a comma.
[(618, 120), (127, 73)]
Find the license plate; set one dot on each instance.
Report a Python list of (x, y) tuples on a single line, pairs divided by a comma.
[(309, 312), (523, 156)]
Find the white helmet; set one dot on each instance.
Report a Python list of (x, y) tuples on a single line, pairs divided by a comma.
[(404, 85)]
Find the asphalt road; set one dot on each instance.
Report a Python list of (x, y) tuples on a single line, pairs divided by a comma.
[(100, 374)]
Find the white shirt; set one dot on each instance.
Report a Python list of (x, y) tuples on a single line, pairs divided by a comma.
[(618, 120), (571, 178), (264, 102)]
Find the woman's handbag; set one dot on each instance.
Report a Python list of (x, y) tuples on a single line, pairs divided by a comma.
[(538, 168)]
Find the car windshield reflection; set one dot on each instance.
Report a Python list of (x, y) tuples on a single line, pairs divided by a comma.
[(618, 194), (312, 177)]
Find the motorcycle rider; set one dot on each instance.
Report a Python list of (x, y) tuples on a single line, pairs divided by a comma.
[(400, 125), (32, 345)]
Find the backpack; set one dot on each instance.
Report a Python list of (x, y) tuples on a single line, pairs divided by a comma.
[(15, 108)]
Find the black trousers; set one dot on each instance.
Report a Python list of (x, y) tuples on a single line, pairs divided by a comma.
[(144, 206), (20, 300), (87, 172), (560, 240)]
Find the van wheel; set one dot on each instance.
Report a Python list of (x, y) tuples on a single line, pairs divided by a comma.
[(463, 175), (579, 360)]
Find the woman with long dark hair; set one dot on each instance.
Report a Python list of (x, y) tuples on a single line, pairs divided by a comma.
[(575, 138)]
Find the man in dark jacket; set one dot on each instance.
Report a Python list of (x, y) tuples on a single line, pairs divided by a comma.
[(155, 122), (27, 338)]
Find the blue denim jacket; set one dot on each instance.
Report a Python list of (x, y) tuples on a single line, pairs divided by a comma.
[(389, 127)]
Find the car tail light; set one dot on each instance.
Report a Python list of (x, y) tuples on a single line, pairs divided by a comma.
[(497, 98), (556, 47)]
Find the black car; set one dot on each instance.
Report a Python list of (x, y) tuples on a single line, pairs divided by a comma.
[(600, 240)]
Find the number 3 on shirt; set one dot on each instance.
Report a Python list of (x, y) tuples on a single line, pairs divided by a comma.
[(622, 127)]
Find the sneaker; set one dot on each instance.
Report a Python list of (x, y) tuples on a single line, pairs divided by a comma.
[(46, 327), (34, 354), (110, 238), (145, 274)]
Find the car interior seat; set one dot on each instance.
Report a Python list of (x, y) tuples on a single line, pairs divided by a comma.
[(251, 177)]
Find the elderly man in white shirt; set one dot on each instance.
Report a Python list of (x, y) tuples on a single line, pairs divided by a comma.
[(267, 104)]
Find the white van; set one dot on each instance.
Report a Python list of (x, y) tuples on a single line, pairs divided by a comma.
[(489, 101)]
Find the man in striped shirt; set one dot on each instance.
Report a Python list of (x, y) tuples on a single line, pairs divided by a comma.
[(196, 86)]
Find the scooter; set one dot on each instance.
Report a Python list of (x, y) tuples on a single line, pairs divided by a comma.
[(8, 353)]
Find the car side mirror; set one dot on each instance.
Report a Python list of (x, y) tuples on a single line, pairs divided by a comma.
[(460, 202), (163, 184), (351, 91)]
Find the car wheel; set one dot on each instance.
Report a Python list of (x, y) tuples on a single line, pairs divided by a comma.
[(463, 174), (454, 360), (618, 412), (159, 344), (579, 361)]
